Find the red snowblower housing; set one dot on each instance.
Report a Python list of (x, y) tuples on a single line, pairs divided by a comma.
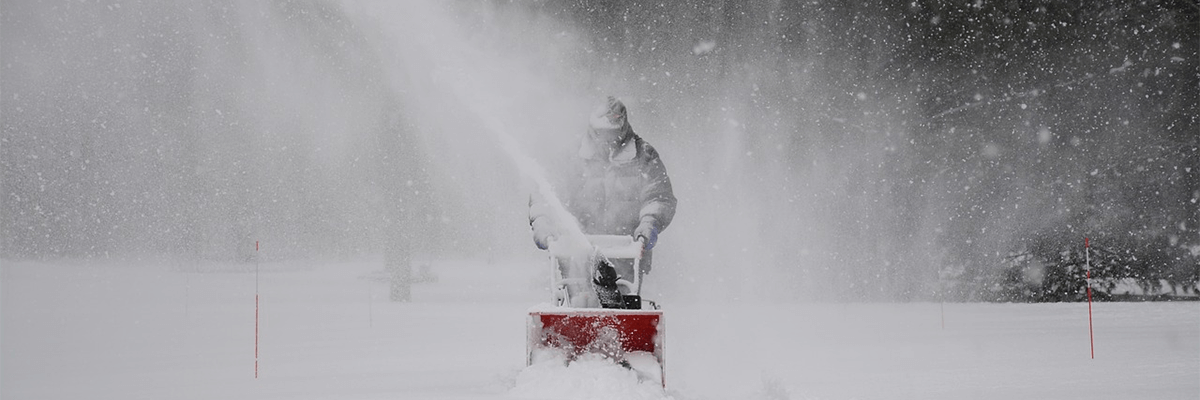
[(597, 310)]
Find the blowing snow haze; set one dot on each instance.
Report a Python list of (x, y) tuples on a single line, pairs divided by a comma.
[(819, 151)]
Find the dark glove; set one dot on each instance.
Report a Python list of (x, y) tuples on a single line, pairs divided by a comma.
[(648, 231)]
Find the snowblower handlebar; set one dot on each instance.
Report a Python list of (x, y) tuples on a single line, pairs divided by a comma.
[(603, 246), (611, 246)]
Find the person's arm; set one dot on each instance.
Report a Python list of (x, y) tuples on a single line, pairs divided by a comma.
[(658, 199)]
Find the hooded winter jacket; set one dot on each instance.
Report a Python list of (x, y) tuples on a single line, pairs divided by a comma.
[(611, 193)]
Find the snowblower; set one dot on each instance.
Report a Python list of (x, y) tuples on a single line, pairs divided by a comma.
[(597, 310)]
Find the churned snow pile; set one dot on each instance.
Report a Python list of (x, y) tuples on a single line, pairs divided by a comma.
[(587, 377)]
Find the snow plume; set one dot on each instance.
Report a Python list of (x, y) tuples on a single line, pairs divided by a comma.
[(570, 234), (471, 94)]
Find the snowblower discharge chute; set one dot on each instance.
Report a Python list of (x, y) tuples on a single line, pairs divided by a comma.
[(597, 309)]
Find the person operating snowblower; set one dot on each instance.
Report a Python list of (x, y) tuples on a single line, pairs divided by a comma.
[(617, 185), (599, 224)]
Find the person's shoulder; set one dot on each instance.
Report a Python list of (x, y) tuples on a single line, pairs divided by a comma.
[(648, 150)]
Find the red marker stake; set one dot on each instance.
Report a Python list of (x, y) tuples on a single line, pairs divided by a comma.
[(1087, 257), (256, 309)]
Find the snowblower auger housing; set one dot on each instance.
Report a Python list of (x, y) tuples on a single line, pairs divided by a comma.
[(597, 309)]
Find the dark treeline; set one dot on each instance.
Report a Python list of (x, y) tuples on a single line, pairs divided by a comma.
[(827, 150)]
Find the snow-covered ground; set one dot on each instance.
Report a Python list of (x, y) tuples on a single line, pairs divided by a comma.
[(102, 331)]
